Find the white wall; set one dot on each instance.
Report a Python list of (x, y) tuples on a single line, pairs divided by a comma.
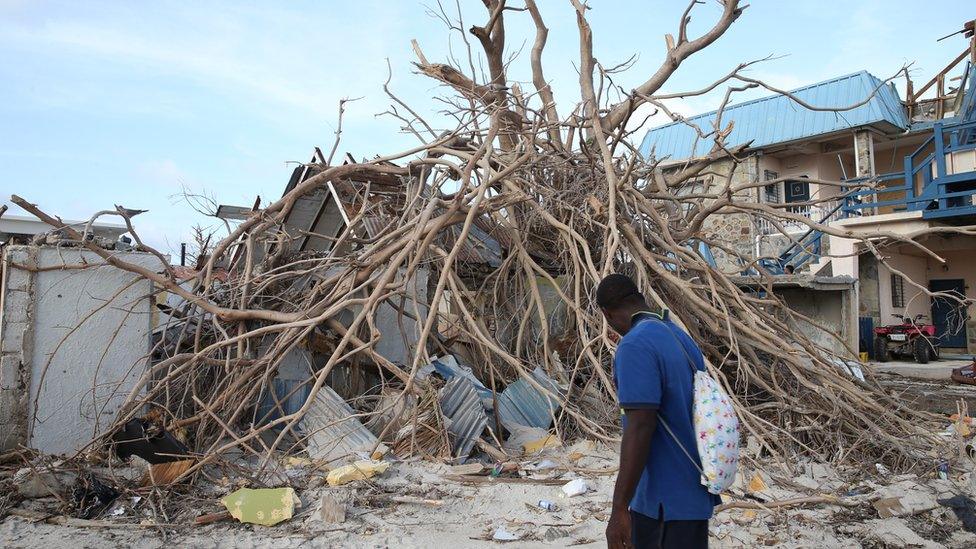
[(87, 341)]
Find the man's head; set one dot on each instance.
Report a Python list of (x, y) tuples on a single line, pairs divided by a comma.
[(619, 299)]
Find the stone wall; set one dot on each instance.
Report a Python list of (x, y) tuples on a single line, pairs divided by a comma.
[(870, 300), (735, 231), (15, 344)]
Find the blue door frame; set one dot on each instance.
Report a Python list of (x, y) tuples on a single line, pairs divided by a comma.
[(948, 315)]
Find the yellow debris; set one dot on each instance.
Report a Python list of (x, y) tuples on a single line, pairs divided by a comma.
[(360, 470), (538, 445), (757, 484), (265, 506)]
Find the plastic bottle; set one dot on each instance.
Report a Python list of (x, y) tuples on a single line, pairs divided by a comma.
[(547, 505)]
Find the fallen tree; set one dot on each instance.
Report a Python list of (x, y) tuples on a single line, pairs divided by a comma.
[(569, 200)]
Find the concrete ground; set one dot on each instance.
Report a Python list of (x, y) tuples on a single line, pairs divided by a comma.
[(937, 369)]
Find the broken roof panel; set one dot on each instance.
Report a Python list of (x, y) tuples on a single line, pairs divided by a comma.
[(333, 430), (461, 405), (779, 119), (522, 404)]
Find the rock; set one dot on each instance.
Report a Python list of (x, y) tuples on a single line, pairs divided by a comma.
[(331, 510), (42, 483)]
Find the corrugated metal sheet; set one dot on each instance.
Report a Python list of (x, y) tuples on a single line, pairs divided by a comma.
[(779, 119), (461, 405), (448, 368), (522, 404), (333, 433)]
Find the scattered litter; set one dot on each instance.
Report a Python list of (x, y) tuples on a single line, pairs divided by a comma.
[(545, 465), (965, 375), (461, 405), (553, 533), (575, 488), (264, 506), (509, 467), (473, 468), (501, 534), (904, 498), (882, 470), (92, 496), (547, 505), (42, 482), (161, 474), (360, 470), (448, 368), (143, 438), (889, 507), (522, 404)]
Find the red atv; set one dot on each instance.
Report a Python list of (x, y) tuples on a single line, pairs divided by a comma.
[(908, 338)]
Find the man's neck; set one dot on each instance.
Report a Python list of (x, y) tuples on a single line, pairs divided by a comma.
[(635, 313)]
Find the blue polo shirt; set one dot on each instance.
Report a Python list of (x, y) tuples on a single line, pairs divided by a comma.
[(651, 371)]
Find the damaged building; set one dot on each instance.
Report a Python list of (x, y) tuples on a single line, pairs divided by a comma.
[(889, 164)]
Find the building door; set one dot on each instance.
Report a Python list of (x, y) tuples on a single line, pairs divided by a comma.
[(948, 315), (797, 190)]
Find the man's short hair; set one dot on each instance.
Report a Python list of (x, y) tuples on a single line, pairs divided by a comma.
[(616, 291)]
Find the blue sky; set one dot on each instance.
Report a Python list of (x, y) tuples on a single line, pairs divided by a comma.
[(129, 102)]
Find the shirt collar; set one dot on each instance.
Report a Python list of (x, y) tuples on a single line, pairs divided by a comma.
[(644, 315)]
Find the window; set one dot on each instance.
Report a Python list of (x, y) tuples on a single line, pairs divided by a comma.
[(897, 291), (771, 193)]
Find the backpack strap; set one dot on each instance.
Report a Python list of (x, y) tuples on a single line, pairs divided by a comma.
[(694, 370)]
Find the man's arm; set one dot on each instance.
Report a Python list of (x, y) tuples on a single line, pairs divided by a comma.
[(634, 447)]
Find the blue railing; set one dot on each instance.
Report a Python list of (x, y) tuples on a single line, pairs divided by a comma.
[(943, 195)]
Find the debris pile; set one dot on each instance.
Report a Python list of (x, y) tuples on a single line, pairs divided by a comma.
[(437, 304)]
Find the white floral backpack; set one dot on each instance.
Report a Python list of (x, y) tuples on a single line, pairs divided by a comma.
[(716, 430)]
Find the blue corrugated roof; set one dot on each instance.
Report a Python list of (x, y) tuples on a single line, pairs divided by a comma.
[(779, 119)]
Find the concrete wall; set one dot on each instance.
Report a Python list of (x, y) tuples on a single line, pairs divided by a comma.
[(830, 309), (79, 348), (958, 251), (915, 268)]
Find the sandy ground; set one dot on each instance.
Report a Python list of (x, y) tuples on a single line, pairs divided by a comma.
[(938, 513), (934, 512)]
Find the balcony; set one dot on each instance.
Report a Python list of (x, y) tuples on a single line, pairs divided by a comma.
[(822, 212), (939, 179)]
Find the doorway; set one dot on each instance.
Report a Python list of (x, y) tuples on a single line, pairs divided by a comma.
[(948, 315)]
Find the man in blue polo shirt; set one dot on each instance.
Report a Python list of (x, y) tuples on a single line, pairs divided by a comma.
[(659, 500)]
